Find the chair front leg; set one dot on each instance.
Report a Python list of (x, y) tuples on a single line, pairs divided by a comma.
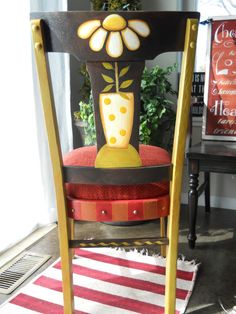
[(71, 228), (163, 234)]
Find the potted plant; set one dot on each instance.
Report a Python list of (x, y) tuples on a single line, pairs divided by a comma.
[(84, 121), (157, 116)]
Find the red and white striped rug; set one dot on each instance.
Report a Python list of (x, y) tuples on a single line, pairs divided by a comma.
[(106, 281)]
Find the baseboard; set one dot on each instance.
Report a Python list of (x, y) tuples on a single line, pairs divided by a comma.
[(11, 253), (216, 201)]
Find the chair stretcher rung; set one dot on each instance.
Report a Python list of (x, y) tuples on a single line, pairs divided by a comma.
[(201, 188), (118, 242)]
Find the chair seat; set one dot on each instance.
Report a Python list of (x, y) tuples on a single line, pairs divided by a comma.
[(85, 156)]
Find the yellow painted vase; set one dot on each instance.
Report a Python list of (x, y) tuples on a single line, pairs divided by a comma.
[(117, 113)]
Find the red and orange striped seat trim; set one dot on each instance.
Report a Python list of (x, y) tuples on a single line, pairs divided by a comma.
[(118, 210)]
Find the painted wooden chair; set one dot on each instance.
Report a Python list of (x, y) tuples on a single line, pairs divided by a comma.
[(118, 180)]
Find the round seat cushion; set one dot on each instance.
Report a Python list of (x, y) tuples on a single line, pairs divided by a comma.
[(85, 156)]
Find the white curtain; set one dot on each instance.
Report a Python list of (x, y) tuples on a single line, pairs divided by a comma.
[(27, 197)]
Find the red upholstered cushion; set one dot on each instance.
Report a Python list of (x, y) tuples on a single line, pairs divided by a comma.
[(85, 156)]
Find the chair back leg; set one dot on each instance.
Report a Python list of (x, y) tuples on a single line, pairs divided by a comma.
[(56, 157), (178, 154)]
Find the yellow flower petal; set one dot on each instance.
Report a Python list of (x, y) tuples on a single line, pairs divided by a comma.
[(131, 40), (114, 22), (114, 45), (140, 27), (97, 40), (86, 29)]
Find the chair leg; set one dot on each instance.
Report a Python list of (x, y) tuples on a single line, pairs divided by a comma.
[(67, 281), (171, 264), (71, 228), (163, 234), (207, 192), (65, 229)]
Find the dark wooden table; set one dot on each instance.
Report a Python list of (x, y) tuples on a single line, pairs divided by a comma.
[(206, 156)]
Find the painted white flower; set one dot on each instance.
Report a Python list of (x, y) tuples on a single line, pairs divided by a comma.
[(115, 31)]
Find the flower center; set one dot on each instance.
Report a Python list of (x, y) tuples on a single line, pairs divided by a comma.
[(114, 22)]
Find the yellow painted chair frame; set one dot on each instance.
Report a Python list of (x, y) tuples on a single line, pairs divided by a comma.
[(64, 224)]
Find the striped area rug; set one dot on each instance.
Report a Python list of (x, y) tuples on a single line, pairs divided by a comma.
[(106, 281)]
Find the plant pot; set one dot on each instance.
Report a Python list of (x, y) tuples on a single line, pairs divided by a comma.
[(163, 136), (81, 125)]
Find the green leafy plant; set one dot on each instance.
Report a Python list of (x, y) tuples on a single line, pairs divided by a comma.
[(157, 115), (77, 116), (86, 115), (115, 5), (86, 85)]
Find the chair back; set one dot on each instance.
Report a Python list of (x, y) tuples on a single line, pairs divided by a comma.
[(115, 47)]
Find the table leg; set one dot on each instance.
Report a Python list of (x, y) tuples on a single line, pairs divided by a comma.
[(193, 202), (207, 192)]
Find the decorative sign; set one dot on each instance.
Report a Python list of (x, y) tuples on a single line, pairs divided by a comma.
[(197, 93), (220, 97)]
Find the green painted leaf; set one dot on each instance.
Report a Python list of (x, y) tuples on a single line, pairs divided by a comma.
[(126, 84), (108, 88), (107, 78), (124, 71), (107, 66), (123, 95)]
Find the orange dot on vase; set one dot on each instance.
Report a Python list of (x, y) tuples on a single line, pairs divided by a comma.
[(123, 110), (112, 117), (112, 140), (122, 132), (107, 101)]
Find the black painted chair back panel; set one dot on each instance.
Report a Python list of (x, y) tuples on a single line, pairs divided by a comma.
[(167, 31)]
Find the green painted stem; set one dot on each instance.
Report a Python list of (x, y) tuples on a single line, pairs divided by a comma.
[(117, 77)]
